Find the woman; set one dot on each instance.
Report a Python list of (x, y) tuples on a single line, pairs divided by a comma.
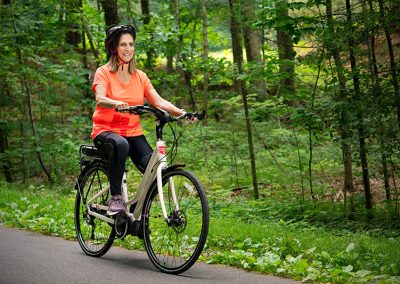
[(118, 84)]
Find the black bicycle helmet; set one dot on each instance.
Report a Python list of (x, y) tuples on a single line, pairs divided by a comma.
[(113, 34)]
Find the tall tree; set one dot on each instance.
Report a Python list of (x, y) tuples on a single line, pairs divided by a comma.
[(28, 93), (240, 85), (4, 159), (357, 93), (393, 68), (110, 8), (150, 53), (285, 47), (72, 19), (376, 88), (205, 53), (172, 44), (252, 39), (334, 49)]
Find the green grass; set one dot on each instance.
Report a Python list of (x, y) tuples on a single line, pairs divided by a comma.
[(242, 234)]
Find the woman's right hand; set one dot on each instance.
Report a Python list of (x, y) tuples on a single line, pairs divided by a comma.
[(120, 104)]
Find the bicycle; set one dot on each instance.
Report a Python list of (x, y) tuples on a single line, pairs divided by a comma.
[(169, 211)]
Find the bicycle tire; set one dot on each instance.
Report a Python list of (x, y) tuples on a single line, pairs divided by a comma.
[(94, 235), (173, 248)]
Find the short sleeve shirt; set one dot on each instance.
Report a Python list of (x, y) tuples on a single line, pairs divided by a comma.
[(133, 93)]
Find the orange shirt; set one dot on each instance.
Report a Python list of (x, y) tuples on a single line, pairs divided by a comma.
[(133, 93)]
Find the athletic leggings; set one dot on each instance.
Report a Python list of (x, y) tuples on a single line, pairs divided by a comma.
[(116, 148)]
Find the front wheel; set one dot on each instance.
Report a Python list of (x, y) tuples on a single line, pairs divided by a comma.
[(174, 245)]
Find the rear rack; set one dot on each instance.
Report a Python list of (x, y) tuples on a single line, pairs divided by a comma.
[(88, 153)]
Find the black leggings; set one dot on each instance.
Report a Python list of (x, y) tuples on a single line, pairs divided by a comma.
[(116, 148)]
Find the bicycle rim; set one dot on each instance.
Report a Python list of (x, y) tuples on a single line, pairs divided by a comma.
[(94, 235), (173, 248)]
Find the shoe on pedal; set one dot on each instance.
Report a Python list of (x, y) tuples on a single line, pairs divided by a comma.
[(116, 205)]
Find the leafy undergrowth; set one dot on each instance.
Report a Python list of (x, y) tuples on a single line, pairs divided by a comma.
[(255, 235), (307, 214), (289, 256)]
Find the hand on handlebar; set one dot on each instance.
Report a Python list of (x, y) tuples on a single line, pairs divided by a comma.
[(161, 114), (189, 116), (193, 117), (119, 105)]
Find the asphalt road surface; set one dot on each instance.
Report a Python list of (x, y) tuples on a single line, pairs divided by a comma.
[(27, 257)]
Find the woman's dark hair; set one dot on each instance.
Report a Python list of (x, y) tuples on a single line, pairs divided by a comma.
[(113, 35)]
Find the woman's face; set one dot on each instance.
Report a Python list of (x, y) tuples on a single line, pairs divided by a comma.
[(126, 48)]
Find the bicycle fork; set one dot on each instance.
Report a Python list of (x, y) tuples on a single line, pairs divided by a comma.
[(160, 160), (161, 149)]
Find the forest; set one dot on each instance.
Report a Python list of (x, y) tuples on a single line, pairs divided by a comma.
[(302, 129)]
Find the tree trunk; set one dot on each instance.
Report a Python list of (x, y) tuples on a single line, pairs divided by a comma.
[(87, 93), (386, 176), (172, 46), (29, 100), (376, 89), (343, 115), (131, 19), (252, 42), (205, 53), (93, 47), (393, 69), (361, 127), (252, 38), (187, 72), (3, 151), (110, 8), (285, 50), (310, 128), (240, 85), (146, 21), (73, 34)]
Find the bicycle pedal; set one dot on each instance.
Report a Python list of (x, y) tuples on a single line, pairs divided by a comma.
[(118, 213)]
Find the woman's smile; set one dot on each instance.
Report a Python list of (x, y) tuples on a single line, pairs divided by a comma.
[(126, 48)]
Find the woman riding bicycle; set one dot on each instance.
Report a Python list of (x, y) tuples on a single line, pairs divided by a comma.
[(118, 84)]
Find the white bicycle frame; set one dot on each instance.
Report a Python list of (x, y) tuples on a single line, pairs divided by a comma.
[(157, 163)]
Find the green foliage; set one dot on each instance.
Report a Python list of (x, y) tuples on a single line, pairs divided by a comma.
[(286, 257), (297, 249), (286, 232), (38, 209)]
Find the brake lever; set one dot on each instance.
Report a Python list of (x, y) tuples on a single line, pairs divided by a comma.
[(201, 115)]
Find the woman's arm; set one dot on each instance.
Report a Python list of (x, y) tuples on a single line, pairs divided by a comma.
[(156, 100), (103, 101)]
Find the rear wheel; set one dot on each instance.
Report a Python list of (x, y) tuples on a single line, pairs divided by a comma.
[(174, 245), (94, 235)]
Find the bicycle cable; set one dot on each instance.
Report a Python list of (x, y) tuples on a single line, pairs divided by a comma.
[(175, 145)]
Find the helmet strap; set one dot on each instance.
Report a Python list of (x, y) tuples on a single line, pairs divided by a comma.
[(123, 62)]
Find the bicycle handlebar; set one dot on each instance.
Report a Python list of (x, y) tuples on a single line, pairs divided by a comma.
[(161, 114)]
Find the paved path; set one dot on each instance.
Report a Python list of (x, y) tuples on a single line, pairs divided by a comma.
[(27, 257)]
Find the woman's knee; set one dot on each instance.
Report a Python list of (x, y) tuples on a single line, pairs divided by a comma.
[(121, 146), (116, 144)]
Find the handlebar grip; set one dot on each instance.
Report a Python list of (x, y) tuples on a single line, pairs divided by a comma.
[(162, 114), (199, 116), (139, 109), (202, 115)]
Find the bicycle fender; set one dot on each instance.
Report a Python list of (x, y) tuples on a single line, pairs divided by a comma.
[(83, 172), (172, 167)]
